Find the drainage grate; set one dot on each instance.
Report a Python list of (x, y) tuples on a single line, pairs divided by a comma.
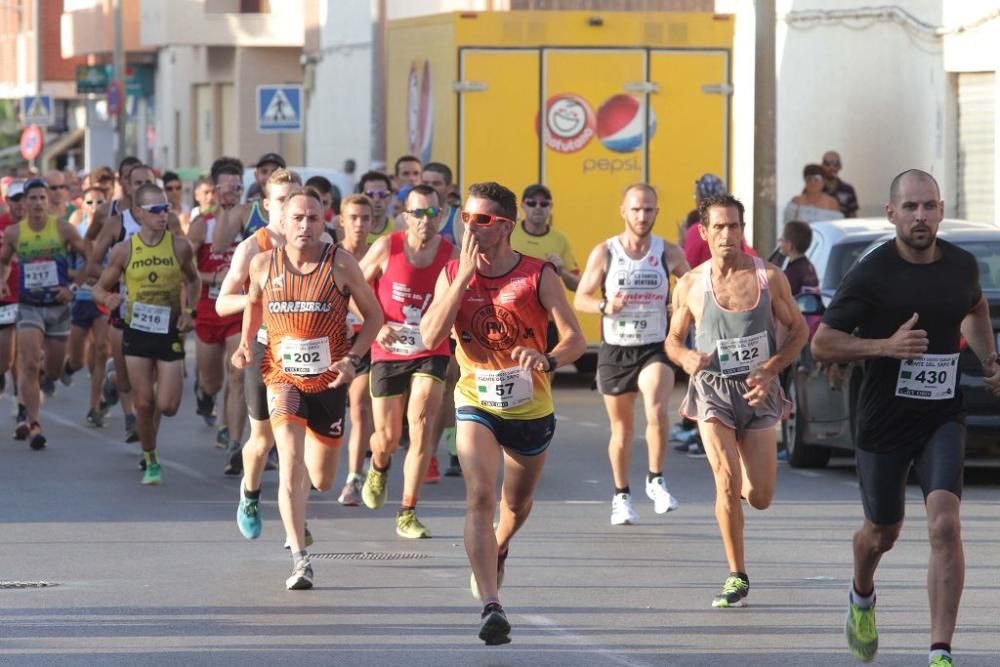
[(26, 584), (369, 555)]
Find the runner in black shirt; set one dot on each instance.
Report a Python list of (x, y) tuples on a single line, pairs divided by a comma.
[(910, 302)]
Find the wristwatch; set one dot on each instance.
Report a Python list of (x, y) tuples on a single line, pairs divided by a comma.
[(551, 360), (602, 305), (192, 313), (354, 359)]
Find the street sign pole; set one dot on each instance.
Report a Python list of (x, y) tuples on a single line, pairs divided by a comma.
[(119, 64)]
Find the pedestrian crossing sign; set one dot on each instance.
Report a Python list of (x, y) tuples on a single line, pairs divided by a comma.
[(279, 108), (37, 110)]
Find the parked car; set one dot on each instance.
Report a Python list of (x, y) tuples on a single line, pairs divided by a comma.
[(824, 398)]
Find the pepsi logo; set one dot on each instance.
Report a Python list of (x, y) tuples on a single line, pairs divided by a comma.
[(569, 123), (620, 123)]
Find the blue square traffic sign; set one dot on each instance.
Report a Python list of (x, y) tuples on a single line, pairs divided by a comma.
[(37, 110), (279, 108)]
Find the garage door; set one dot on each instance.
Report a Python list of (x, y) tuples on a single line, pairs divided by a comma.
[(977, 97)]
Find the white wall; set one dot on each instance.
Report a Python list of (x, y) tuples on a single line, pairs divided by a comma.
[(175, 67)]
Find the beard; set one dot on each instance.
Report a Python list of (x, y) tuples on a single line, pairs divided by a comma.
[(919, 244)]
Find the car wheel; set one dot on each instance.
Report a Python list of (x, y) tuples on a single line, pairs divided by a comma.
[(800, 455)]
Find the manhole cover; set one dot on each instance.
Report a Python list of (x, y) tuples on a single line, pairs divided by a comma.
[(369, 555), (26, 584)]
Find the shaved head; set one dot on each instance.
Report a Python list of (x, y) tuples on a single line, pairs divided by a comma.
[(914, 174)]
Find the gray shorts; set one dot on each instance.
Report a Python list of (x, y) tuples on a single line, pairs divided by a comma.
[(710, 396), (53, 321)]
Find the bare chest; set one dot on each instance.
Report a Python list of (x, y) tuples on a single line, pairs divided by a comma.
[(736, 291)]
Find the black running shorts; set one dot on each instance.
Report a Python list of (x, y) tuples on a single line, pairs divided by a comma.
[(618, 366), (392, 378), (527, 437)]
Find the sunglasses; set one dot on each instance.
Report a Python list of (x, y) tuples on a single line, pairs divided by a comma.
[(156, 209), (58, 187), (541, 203), (814, 177), (483, 219), (93, 202), (378, 194), (429, 212), (831, 163)]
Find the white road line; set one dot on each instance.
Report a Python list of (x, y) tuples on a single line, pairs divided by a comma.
[(807, 473), (589, 424), (170, 465), (550, 626), (853, 484)]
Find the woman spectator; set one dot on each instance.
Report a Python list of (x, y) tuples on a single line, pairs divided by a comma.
[(813, 205)]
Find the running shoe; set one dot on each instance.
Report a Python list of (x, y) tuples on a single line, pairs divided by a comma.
[(501, 569), (222, 437), (734, 592), (131, 434), (309, 540), (433, 475), (205, 403), (622, 513), (374, 491), (234, 459), (656, 490), (409, 526), (941, 661), (104, 407), (48, 386), (67, 375), (37, 440), (23, 428), (109, 390), (248, 516), (350, 495), (454, 467), (494, 628), (153, 474), (95, 418), (862, 635), (302, 576)]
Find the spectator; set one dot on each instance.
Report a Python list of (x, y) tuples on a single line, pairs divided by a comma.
[(794, 242), (695, 248), (813, 205), (843, 192)]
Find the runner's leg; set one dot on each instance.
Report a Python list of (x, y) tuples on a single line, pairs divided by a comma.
[(480, 454), (621, 414), (759, 464), (30, 341), (946, 568), (143, 397), (724, 458), (98, 358), (422, 411), (290, 438), (656, 381), (517, 493), (236, 405), (361, 424)]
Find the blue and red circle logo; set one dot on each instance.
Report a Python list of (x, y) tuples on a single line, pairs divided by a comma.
[(620, 122)]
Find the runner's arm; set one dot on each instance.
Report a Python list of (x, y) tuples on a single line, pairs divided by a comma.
[(586, 300), (99, 250), (786, 311), (978, 332), (572, 343), (228, 223), (110, 276), (677, 263), (231, 298), (348, 271), (440, 317), (7, 255), (690, 360), (97, 221), (189, 274), (372, 264), (174, 225), (71, 237), (253, 313)]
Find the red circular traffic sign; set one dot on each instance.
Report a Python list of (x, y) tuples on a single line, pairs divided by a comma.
[(31, 142), (115, 97)]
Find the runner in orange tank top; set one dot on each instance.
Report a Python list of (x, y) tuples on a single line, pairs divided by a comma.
[(505, 409), (301, 292)]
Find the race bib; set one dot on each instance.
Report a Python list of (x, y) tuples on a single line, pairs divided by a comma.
[(305, 357), (504, 389), (738, 356), (8, 313), (638, 326), (39, 275), (930, 378), (149, 318), (410, 341), (213, 291), (262, 336)]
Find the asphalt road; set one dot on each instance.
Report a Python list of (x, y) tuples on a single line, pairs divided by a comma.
[(161, 576)]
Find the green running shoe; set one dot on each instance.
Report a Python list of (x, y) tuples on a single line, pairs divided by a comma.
[(862, 636), (734, 592), (408, 525), (248, 518), (152, 475), (375, 489), (942, 661)]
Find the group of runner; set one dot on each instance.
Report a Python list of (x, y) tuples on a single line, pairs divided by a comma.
[(405, 302)]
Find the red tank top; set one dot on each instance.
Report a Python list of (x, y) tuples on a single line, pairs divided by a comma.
[(305, 316), (212, 262), (13, 279), (405, 291)]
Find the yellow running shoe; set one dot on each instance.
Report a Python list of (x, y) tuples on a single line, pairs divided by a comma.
[(376, 486), (409, 526), (862, 636)]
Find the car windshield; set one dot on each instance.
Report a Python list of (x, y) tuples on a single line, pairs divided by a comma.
[(988, 257), (842, 257)]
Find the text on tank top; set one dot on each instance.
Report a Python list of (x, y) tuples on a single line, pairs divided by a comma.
[(645, 285), (153, 280), (405, 291), (738, 341), (496, 315), (305, 316)]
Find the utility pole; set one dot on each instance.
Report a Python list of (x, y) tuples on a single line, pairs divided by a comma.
[(119, 76), (379, 83), (765, 210), (36, 20)]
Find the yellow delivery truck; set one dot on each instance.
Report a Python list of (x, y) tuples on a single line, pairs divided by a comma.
[(584, 102)]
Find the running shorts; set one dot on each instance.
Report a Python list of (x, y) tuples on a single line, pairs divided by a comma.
[(321, 413), (83, 314), (711, 396), (618, 366), (391, 378), (53, 321), (527, 437), (215, 331), (162, 347)]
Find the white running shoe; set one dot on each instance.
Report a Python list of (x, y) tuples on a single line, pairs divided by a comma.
[(663, 502), (302, 577), (622, 513)]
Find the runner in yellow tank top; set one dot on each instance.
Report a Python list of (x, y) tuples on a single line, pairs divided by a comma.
[(158, 269)]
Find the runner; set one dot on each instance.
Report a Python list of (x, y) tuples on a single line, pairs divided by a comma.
[(44, 291), (204, 196), (497, 302), (632, 272), (16, 209), (911, 415), (438, 176), (378, 189), (403, 268), (734, 302), (356, 221), (156, 267), (236, 219), (267, 165), (300, 293), (88, 335), (58, 194), (174, 188), (216, 341), (407, 171)]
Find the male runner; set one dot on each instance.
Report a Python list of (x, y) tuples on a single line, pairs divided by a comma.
[(300, 293), (632, 272), (17, 206), (235, 219), (911, 301), (267, 165), (734, 301), (156, 267), (41, 243), (356, 213), (498, 302), (407, 171), (378, 188), (404, 267), (438, 176), (536, 237), (58, 193), (174, 189)]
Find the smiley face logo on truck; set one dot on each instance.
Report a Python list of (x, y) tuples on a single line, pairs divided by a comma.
[(570, 123)]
